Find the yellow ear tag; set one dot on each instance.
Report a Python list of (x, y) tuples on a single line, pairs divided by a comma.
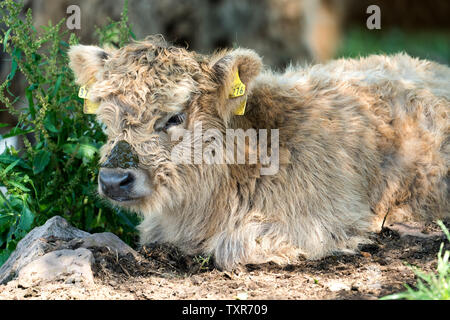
[(238, 90), (241, 110), (89, 107)]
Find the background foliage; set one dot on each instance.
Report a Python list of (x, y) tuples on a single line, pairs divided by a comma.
[(56, 172), (424, 44)]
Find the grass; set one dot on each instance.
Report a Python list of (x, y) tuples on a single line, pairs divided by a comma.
[(430, 286)]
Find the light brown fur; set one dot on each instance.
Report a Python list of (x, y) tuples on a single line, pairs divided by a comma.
[(359, 138)]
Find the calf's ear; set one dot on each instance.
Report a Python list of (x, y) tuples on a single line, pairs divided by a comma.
[(245, 64), (86, 62)]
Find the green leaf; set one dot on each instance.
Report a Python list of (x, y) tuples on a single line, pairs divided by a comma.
[(57, 85), (64, 44), (69, 148), (41, 161), (11, 244), (7, 158), (17, 53), (4, 255), (16, 132), (49, 123), (29, 96), (86, 151), (13, 70), (5, 39), (19, 185), (8, 168), (5, 222), (26, 220)]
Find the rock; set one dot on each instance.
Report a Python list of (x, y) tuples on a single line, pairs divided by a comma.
[(241, 296), (374, 286), (413, 230), (58, 251), (356, 286), (105, 240), (338, 286), (72, 266), (36, 244)]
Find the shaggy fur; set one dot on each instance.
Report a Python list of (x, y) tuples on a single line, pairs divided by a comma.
[(359, 139)]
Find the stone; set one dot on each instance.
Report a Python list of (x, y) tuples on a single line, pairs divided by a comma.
[(36, 244), (338, 286), (105, 240), (413, 230), (71, 266), (375, 286), (58, 251), (356, 286)]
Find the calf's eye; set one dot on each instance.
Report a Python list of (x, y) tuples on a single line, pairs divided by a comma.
[(175, 120)]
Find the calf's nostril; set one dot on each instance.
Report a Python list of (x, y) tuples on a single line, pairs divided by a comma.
[(127, 180)]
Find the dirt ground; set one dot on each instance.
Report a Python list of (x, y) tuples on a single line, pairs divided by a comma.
[(164, 273)]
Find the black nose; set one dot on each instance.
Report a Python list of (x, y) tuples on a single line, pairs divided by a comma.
[(116, 184)]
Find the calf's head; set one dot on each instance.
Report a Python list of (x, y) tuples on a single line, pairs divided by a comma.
[(147, 92)]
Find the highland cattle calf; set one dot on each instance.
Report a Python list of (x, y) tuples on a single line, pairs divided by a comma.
[(357, 140)]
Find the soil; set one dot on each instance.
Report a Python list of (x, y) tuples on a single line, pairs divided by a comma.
[(162, 272)]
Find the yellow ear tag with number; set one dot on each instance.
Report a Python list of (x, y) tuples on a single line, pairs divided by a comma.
[(238, 90), (89, 107)]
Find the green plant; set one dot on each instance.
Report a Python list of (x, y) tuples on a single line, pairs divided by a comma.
[(430, 286), (116, 32), (205, 263), (56, 172)]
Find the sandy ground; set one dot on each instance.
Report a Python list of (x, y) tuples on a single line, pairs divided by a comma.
[(164, 273)]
